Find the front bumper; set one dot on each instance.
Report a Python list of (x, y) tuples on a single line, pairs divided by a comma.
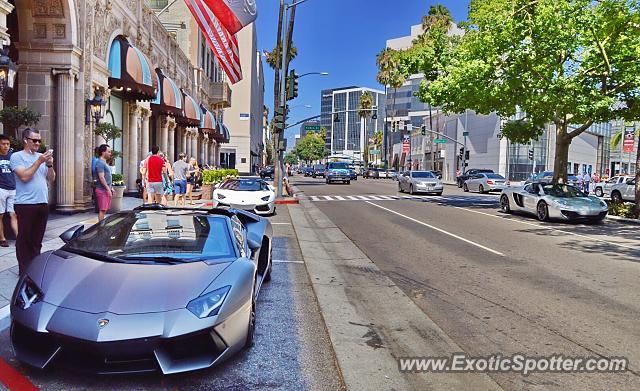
[(338, 177), (266, 208), (582, 214), (429, 189), (170, 342)]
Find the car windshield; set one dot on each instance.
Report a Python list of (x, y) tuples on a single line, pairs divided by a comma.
[(318, 167), (422, 174), (166, 235), (563, 191), (545, 174), (338, 166), (244, 185), (494, 176)]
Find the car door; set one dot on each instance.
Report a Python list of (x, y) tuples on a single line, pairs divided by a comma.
[(475, 181), (629, 191), (530, 197)]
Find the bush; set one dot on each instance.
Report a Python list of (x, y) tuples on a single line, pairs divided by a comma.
[(13, 117), (117, 180), (621, 209), (210, 177), (18, 145)]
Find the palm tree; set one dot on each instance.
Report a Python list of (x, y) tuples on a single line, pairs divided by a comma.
[(272, 60), (615, 141), (364, 112), (389, 75), (438, 16)]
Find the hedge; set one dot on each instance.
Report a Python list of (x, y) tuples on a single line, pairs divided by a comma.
[(210, 177)]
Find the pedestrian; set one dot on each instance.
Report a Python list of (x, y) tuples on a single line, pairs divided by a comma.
[(33, 171), (7, 189), (191, 178), (596, 177), (180, 172), (154, 167), (586, 180), (167, 180), (143, 177), (104, 185)]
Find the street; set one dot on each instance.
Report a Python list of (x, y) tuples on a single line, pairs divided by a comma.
[(497, 283)]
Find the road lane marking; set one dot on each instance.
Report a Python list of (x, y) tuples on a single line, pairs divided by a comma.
[(5, 321), (387, 198), (283, 261), (314, 198), (550, 228), (328, 198), (363, 198), (354, 198), (371, 197), (439, 230), (340, 198)]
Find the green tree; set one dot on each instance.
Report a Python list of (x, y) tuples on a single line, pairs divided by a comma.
[(291, 158), (13, 117), (269, 152), (310, 147), (389, 75), (615, 141), (567, 63), (272, 60)]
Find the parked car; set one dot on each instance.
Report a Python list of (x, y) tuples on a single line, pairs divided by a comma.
[(603, 188), (469, 173), (318, 170), (338, 172), (253, 195), (553, 201), (624, 191), (152, 289), (267, 172), (420, 182), (547, 177), (372, 173), (307, 171), (485, 183)]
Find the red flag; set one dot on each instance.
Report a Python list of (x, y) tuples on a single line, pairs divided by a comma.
[(233, 14), (223, 43)]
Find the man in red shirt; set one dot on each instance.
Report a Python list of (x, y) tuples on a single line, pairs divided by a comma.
[(154, 167)]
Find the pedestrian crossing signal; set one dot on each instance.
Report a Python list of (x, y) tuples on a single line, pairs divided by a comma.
[(531, 154)]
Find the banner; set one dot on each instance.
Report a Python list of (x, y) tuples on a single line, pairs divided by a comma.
[(629, 139)]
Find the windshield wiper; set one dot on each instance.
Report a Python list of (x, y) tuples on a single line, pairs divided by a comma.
[(161, 259), (89, 254)]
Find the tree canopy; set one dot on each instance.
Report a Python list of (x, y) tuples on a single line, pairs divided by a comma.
[(311, 147)]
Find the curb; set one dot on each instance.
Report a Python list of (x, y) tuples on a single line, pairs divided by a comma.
[(621, 220), (287, 201)]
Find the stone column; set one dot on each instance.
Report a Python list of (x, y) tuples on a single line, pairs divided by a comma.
[(202, 145), (211, 152), (183, 143), (132, 159), (144, 134), (65, 140), (194, 145), (171, 156), (164, 134), (216, 155)]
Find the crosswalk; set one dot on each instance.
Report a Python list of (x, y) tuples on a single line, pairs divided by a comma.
[(369, 197)]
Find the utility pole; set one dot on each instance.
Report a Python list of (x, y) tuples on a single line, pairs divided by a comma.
[(277, 174)]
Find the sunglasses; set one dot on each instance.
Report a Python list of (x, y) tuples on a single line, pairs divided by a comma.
[(35, 140)]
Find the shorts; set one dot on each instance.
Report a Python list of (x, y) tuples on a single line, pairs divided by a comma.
[(180, 186), (191, 180), (7, 198), (103, 198), (155, 188)]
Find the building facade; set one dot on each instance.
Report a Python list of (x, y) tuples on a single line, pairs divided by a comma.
[(309, 126), (349, 132), (70, 51)]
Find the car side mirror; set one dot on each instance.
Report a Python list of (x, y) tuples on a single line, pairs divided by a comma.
[(72, 233), (254, 241)]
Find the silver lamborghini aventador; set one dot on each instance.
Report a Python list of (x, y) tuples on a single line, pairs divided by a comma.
[(152, 289), (553, 201)]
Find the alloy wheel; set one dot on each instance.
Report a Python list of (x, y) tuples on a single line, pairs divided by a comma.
[(504, 204), (542, 211)]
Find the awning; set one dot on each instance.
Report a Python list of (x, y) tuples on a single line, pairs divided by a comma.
[(169, 98), (130, 70), (226, 134), (191, 114), (209, 124)]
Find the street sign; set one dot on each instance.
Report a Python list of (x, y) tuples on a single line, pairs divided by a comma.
[(440, 141), (375, 152), (629, 140), (406, 148), (313, 128), (465, 134)]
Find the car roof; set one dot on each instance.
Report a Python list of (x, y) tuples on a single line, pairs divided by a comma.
[(228, 212)]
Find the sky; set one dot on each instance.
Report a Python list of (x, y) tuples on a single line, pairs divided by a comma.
[(341, 37)]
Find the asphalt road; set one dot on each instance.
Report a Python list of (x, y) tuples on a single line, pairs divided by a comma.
[(292, 350), (499, 283)]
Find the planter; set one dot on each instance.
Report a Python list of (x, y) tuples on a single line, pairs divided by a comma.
[(207, 192), (116, 201)]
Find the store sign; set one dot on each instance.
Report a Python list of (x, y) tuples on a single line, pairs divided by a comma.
[(629, 139)]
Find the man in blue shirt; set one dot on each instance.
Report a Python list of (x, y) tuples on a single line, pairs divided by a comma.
[(7, 189), (33, 171)]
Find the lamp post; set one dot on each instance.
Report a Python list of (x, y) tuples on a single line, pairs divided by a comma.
[(313, 73), (8, 71), (95, 108)]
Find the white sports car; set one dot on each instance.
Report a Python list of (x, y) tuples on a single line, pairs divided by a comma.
[(251, 194), (553, 201)]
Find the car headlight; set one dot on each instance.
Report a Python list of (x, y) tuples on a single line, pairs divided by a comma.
[(220, 196), (561, 202), (208, 304), (265, 198), (28, 295)]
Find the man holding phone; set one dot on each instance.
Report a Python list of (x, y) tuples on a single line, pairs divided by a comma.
[(33, 171)]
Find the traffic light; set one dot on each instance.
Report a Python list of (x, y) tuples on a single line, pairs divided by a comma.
[(531, 154), (292, 85), (466, 155), (279, 119), (423, 130), (461, 153)]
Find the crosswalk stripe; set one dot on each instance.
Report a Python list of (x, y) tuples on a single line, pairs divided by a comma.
[(314, 198), (375, 198), (388, 198), (353, 198), (340, 198), (328, 198), (363, 198)]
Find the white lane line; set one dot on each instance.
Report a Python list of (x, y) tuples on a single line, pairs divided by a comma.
[(280, 223), (353, 198), (363, 198), (283, 261), (387, 198), (439, 230), (328, 198), (340, 198), (5, 319), (551, 229), (314, 198)]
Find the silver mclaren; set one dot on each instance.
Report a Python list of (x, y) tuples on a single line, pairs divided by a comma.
[(553, 201), (153, 289)]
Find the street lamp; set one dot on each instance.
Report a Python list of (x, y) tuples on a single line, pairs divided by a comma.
[(95, 107), (8, 70), (313, 73)]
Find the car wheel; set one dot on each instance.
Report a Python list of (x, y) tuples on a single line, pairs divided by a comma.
[(465, 188), (348, 182), (411, 190), (542, 211), (480, 189), (400, 188), (313, 176), (252, 323), (616, 196), (504, 204), (459, 184), (599, 192)]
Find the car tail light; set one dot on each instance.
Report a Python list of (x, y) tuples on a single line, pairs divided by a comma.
[(489, 182)]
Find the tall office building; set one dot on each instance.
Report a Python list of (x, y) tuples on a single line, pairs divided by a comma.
[(347, 133)]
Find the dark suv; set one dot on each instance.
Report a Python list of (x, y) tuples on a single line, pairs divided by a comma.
[(471, 172), (266, 172), (318, 170)]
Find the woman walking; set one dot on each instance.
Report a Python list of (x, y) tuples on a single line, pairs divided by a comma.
[(167, 181), (191, 178)]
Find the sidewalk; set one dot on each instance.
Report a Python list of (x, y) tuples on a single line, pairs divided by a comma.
[(57, 225)]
